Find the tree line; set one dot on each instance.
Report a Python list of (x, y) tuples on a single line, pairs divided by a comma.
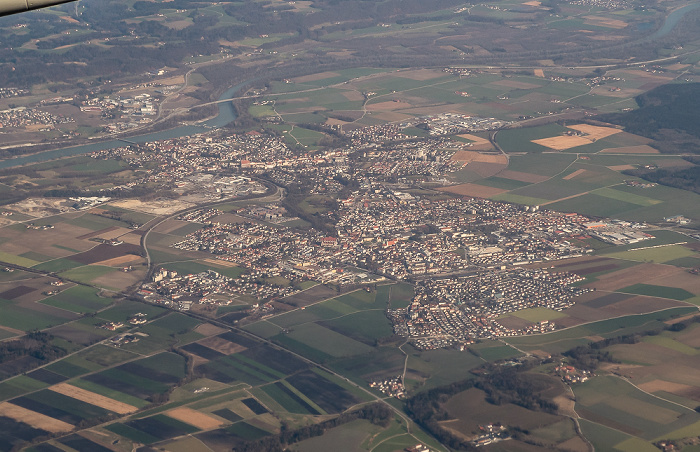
[(376, 413)]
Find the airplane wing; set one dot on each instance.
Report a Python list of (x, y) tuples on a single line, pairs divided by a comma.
[(8, 7)]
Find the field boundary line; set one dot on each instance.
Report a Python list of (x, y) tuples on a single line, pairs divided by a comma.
[(653, 395)]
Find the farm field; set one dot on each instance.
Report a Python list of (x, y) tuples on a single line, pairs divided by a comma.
[(617, 403), (408, 93), (559, 341), (188, 382), (469, 409)]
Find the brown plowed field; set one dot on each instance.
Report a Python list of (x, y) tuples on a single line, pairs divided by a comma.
[(621, 167), (642, 273), (93, 398), (562, 142), (574, 174), (605, 22), (16, 292), (595, 132), (97, 233), (484, 169), (207, 329), (661, 385), (474, 139), (36, 420), (681, 279), (388, 105), (691, 338), (192, 417), (421, 74), (221, 345), (104, 252), (473, 156), (120, 261)]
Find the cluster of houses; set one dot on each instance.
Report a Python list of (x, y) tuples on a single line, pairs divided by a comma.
[(402, 236), (13, 92), (26, 117), (450, 311), (570, 374), (489, 434), (435, 125), (393, 387)]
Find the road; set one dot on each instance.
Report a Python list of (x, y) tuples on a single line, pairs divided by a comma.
[(269, 197)]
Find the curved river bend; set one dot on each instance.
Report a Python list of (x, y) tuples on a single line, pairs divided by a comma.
[(227, 113)]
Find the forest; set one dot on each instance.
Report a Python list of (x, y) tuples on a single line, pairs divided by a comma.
[(667, 114)]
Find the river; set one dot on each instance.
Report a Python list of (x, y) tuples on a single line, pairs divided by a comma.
[(671, 21), (226, 115)]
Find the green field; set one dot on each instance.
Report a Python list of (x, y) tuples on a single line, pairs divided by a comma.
[(496, 353), (18, 386), (260, 111), (351, 435), (361, 300), (111, 393), (674, 293), (88, 273), (281, 397), (263, 329), (684, 432), (96, 222), (17, 260), (617, 401), (626, 196), (67, 369), (68, 404), (134, 380), (247, 431), (366, 326), (330, 309), (559, 341), (168, 362), (296, 317), (131, 433), (126, 309), (401, 295), (670, 343), (174, 326), (104, 356), (79, 299), (327, 341), (594, 205), (25, 319), (58, 265), (658, 255), (520, 140)]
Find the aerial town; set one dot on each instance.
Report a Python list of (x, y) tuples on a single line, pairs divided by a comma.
[(465, 255)]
